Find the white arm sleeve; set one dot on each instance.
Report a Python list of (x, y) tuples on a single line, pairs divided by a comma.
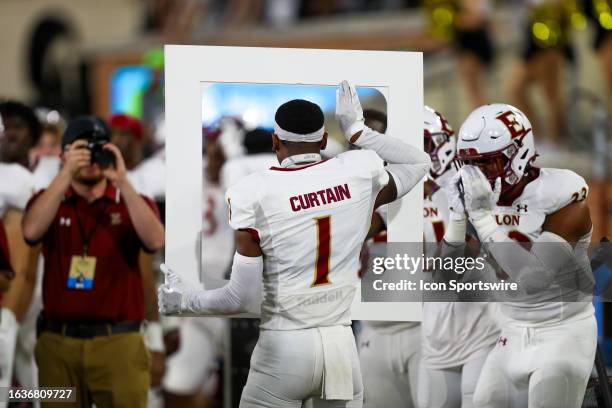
[(241, 294), (406, 176), (408, 165), (537, 269), (392, 150)]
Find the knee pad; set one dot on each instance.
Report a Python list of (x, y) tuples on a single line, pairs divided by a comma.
[(496, 393), (558, 386)]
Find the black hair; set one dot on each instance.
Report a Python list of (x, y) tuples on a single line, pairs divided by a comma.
[(12, 109), (258, 140), (299, 116), (373, 114)]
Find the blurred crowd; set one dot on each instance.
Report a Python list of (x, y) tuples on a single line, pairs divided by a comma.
[(533, 54), (177, 19)]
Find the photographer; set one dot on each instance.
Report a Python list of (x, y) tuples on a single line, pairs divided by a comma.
[(92, 225)]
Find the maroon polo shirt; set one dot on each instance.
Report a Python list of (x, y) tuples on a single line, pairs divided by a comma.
[(117, 293), (5, 258)]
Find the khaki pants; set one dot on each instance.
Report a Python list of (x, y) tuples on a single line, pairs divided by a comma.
[(109, 371)]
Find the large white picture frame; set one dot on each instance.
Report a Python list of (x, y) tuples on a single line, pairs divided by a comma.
[(397, 75)]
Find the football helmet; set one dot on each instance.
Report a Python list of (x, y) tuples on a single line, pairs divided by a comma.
[(497, 138), (440, 141)]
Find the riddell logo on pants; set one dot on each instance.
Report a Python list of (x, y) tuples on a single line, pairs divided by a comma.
[(324, 298), (502, 341)]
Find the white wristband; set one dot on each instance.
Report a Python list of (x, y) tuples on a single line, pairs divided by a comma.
[(455, 232), (154, 337), (485, 227)]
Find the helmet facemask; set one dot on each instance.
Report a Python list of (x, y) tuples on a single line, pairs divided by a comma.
[(493, 164), (440, 151)]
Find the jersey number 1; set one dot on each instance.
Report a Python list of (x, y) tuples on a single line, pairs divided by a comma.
[(323, 251)]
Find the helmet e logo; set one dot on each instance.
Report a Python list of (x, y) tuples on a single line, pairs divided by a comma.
[(509, 120)]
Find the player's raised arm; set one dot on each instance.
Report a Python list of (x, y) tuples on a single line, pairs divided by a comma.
[(407, 164)]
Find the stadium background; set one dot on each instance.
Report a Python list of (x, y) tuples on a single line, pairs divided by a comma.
[(83, 56)]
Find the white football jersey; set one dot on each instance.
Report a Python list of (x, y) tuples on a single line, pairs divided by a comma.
[(16, 187), (45, 171), (377, 247), (452, 332), (311, 222), (238, 168), (522, 220), (217, 236), (435, 211), (149, 177)]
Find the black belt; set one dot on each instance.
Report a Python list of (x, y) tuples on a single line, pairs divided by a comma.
[(88, 331)]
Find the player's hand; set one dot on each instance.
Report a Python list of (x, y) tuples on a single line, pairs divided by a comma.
[(349, 113), (76, 156), (455, 198), (118, 172), (479, 198), (170, 295), (158, 368)]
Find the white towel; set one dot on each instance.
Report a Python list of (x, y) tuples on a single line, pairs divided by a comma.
[(337, 364)]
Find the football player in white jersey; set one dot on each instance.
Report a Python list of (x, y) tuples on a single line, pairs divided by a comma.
[(389, 352), (302, 225), (255, 154), (456, 336), (19, 131), (190, 371), (545, 352)]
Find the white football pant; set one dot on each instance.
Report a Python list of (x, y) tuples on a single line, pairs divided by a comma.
[(8, 337), (389, 365), (287, 371), (539, 367), (189, 369), (450, 387)]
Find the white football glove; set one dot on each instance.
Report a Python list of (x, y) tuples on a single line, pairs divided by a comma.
[(172, 295), (454, 195), (348, 110), (480, 200), (457, 218)]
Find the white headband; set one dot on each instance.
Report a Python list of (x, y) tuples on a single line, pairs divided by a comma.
[(297, 137)]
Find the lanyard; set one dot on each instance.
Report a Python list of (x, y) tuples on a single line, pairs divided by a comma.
[(86, 238)]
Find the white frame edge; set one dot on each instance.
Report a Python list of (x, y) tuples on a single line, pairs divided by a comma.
[(186, 67)]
